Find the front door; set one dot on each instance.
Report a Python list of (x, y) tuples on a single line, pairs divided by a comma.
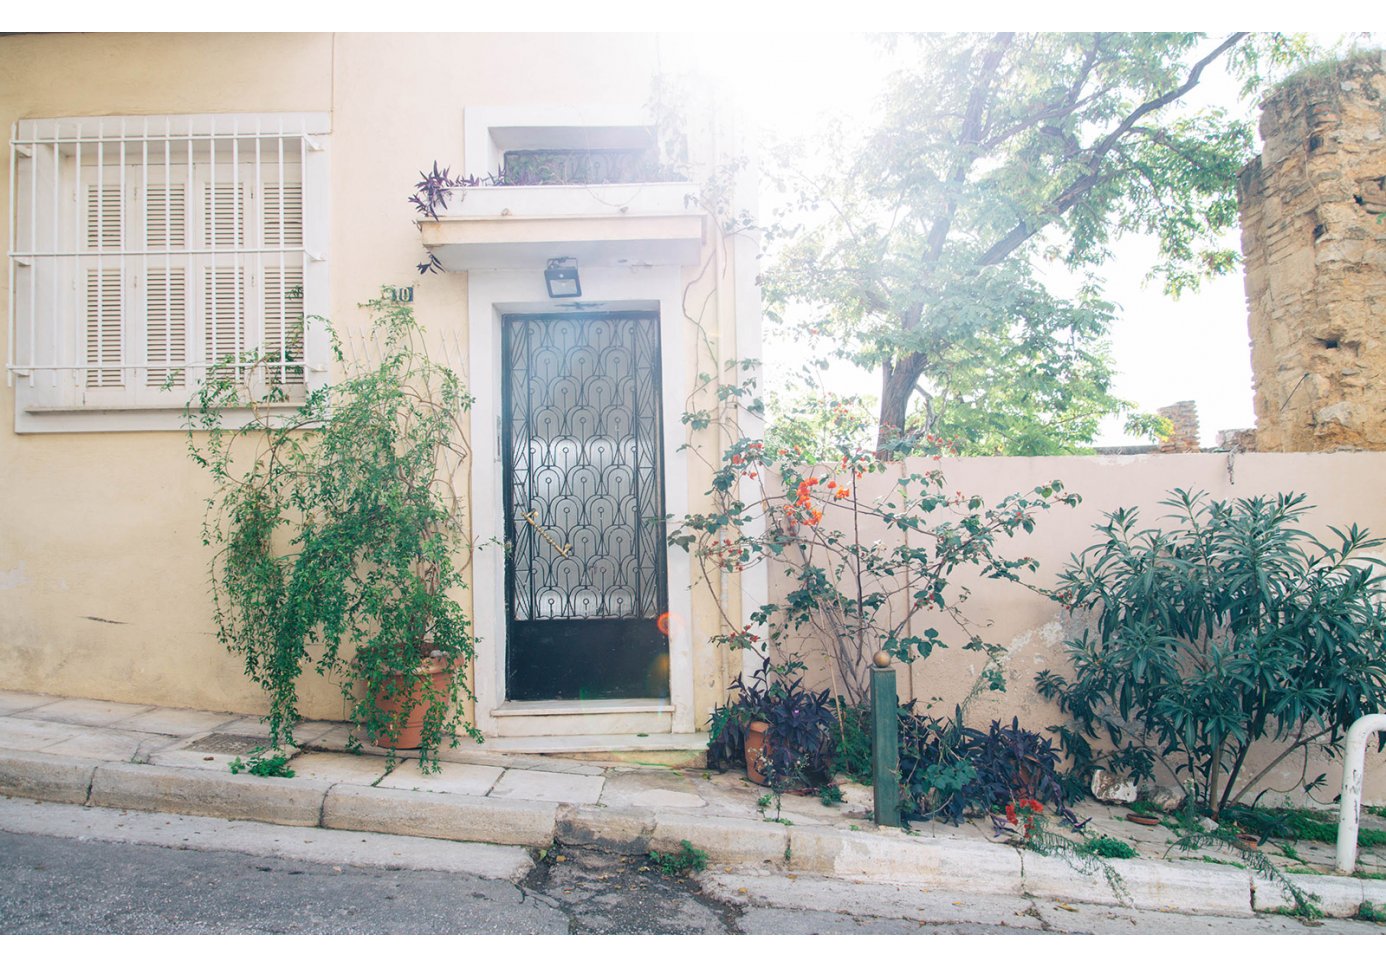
[(585, 583)]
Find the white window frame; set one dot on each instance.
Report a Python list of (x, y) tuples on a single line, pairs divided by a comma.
[(489, 132), (54, 252)]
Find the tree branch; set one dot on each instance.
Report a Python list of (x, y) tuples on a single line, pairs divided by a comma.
[(1024, 230)]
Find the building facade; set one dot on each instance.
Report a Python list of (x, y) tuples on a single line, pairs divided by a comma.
[(174, 199)]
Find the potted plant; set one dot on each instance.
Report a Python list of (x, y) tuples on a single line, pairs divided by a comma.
[(338, 535), (780, 730)]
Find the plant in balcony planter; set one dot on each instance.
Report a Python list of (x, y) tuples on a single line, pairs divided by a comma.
[(337, 535)]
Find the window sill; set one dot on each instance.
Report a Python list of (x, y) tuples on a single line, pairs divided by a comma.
[(60, 419)]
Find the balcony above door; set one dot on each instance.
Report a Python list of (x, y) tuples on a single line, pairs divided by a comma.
[(522, 227)]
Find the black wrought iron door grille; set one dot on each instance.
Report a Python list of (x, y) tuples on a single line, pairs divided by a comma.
[(583, 456)]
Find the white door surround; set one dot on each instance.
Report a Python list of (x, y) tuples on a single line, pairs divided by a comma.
[(492, 294)]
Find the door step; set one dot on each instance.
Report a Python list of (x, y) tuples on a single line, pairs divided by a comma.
[(601, 717), (665, 749)]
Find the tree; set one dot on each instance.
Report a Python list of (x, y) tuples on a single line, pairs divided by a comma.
[(918, 245)]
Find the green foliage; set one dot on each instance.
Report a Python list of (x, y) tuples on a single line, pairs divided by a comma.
[(1228, 627), (829, 794), (677, 863), (852, 752), (335, 524), (1367, 911), (917, 243), (1255, 860), (798, 748), (1109, 847), (810, 509), (277, 765), (947, 768), (1286, 823)]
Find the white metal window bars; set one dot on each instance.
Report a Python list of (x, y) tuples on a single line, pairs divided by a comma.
[(182, 240)]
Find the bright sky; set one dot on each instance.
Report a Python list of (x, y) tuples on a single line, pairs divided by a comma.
[(1165, 350)]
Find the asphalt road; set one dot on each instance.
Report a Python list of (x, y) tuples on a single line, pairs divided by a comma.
[(76, 870)]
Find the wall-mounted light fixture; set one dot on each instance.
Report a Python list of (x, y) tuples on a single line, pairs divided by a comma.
[(562, 278)]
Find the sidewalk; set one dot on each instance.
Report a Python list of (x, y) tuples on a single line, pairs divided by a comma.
[(176, 761)]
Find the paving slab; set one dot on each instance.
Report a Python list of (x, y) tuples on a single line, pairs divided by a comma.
[(13, 702), (84, 712), (308, 732), (459, 778), (549, 787), (337, 739), (112, 744), (178, 722), (338, 767), (478, 755), (33, 734), (194, 759), (651, 789)]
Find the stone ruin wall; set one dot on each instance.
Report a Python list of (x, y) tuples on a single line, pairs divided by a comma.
[(1316, 261)]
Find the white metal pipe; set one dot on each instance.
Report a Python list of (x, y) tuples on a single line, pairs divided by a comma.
[(14, 175), (34, 272), (1350, 804), (78, 213)]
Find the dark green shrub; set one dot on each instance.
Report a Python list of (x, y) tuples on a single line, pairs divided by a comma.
[(1226, 628)]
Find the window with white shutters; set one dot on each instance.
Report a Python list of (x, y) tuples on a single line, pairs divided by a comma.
[(146, 250)]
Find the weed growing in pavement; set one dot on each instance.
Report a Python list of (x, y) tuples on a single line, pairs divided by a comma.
[(1256, 860), (1104, 846), (677, 863), (1297, 824), (277, 765), (1370, 912)]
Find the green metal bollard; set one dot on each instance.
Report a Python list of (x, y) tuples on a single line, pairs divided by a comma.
[(885, 742)]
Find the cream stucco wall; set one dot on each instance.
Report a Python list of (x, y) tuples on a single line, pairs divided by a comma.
[(103, 577), (1345, 488)]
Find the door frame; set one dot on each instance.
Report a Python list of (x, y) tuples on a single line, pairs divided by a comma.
[(492, 294), (650, 404)]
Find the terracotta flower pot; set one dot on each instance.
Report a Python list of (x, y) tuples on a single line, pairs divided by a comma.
[(401, 693), (756, 751), (1145, 820)]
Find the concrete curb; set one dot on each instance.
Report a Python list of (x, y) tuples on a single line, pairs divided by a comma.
[(891, 855), (444, 816), (290, 801), (42, 776)]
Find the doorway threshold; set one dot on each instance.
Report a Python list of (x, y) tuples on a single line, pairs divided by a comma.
[(582, 707), (659, 749)]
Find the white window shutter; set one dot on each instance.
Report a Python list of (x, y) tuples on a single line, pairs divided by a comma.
[(223, 214), (104, 332), (166, 326), (283, 315), (105, 214), (166, 214), (223, 303), (283, 208)]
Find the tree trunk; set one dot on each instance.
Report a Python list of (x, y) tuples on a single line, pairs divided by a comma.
[(897, 387)]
